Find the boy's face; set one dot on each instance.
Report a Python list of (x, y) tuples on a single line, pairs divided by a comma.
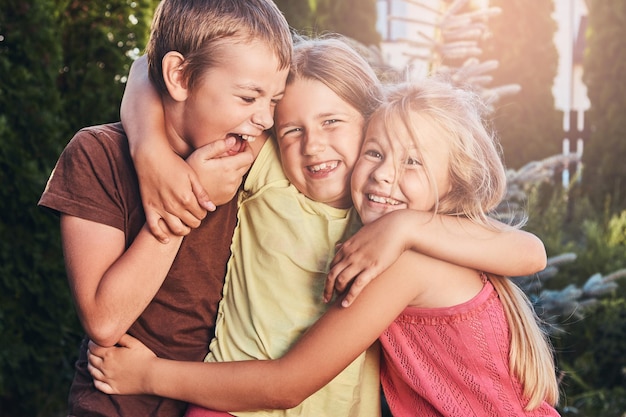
[(236, 97), (319, 136), (389, 174)]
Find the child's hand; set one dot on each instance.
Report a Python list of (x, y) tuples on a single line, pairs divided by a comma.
[(175, 195), (120, 370), (364, 256), (221, 173)]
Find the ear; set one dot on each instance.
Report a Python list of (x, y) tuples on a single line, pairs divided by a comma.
[(173, 64)]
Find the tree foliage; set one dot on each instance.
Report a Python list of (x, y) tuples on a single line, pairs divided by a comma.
[(35, 305), (521, 40), (604, 176), (53, 80), (298, 14), (99, 40), (353, 18)]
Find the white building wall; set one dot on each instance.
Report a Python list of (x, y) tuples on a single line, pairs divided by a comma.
[(568, 90), (394, 31)]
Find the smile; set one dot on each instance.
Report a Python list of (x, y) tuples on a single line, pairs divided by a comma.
[(324, 166), (382, 200), (247, 138)]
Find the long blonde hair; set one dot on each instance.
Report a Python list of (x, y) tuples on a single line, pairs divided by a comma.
[(478, 184), (531, 356)]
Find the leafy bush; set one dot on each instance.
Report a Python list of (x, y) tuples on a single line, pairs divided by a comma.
[(591, 356), (49, 87), (582, 293)]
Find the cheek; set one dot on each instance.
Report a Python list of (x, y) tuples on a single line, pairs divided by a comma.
[(358, 178), (290, 158), (351, 161), (418, 191), (351, 153), (356, 188)]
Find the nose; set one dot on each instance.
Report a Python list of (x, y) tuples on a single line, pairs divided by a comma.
[(313, 143), (385, 171), (264, 117)]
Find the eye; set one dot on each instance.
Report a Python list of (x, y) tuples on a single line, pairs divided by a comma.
[(413, 161), (248, 99), (372, 153), (291, 132), (330, 122)]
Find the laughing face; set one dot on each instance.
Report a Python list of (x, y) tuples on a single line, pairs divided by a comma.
[(319, 136), (391, 173), (235, 98)]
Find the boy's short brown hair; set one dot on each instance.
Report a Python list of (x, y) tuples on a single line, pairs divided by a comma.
[(198, 29)]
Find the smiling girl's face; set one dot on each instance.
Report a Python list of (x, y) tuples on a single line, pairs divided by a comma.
[(392, 173), (319, 136)]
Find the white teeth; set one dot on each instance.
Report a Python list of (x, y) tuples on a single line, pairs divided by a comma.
[(248, 138), (382, 200), (324, 165)]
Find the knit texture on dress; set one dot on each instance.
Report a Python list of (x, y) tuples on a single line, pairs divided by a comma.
[(453, 362)]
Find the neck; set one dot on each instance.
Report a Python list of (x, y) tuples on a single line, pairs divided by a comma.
[(174, 127)]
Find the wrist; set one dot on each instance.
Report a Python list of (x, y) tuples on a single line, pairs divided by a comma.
[(409, 229), (150, 379)]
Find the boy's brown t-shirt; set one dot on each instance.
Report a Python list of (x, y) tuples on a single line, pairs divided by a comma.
[(95, 179)]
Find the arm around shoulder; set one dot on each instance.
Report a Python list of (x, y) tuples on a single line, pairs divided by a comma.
[(496, 248), (330, 345)]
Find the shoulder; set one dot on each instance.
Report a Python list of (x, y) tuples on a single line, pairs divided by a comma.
[(266, 169), (418, 277), (94, 177), (109, 138), (99, 151)]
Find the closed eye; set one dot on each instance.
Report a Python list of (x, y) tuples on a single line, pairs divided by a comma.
[(290, 132)]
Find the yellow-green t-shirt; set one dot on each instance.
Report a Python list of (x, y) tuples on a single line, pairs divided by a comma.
[(281, 251)]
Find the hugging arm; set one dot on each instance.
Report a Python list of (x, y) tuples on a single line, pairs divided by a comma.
[(170, 189), (500, 250), (113, 283), (324, 350)]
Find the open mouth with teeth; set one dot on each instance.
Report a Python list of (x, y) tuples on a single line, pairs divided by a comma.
[(323, 167), (382, 200), (247, 138), (240, 144)]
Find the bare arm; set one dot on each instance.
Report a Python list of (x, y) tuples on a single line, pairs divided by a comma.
[(112, 287), (112, 284), (170, 189), (501, 250), (326, 348)]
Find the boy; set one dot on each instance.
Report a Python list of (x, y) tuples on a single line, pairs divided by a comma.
[(220, 66)]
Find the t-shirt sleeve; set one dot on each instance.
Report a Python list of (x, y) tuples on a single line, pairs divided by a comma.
[(266, 171), (87, 178)]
